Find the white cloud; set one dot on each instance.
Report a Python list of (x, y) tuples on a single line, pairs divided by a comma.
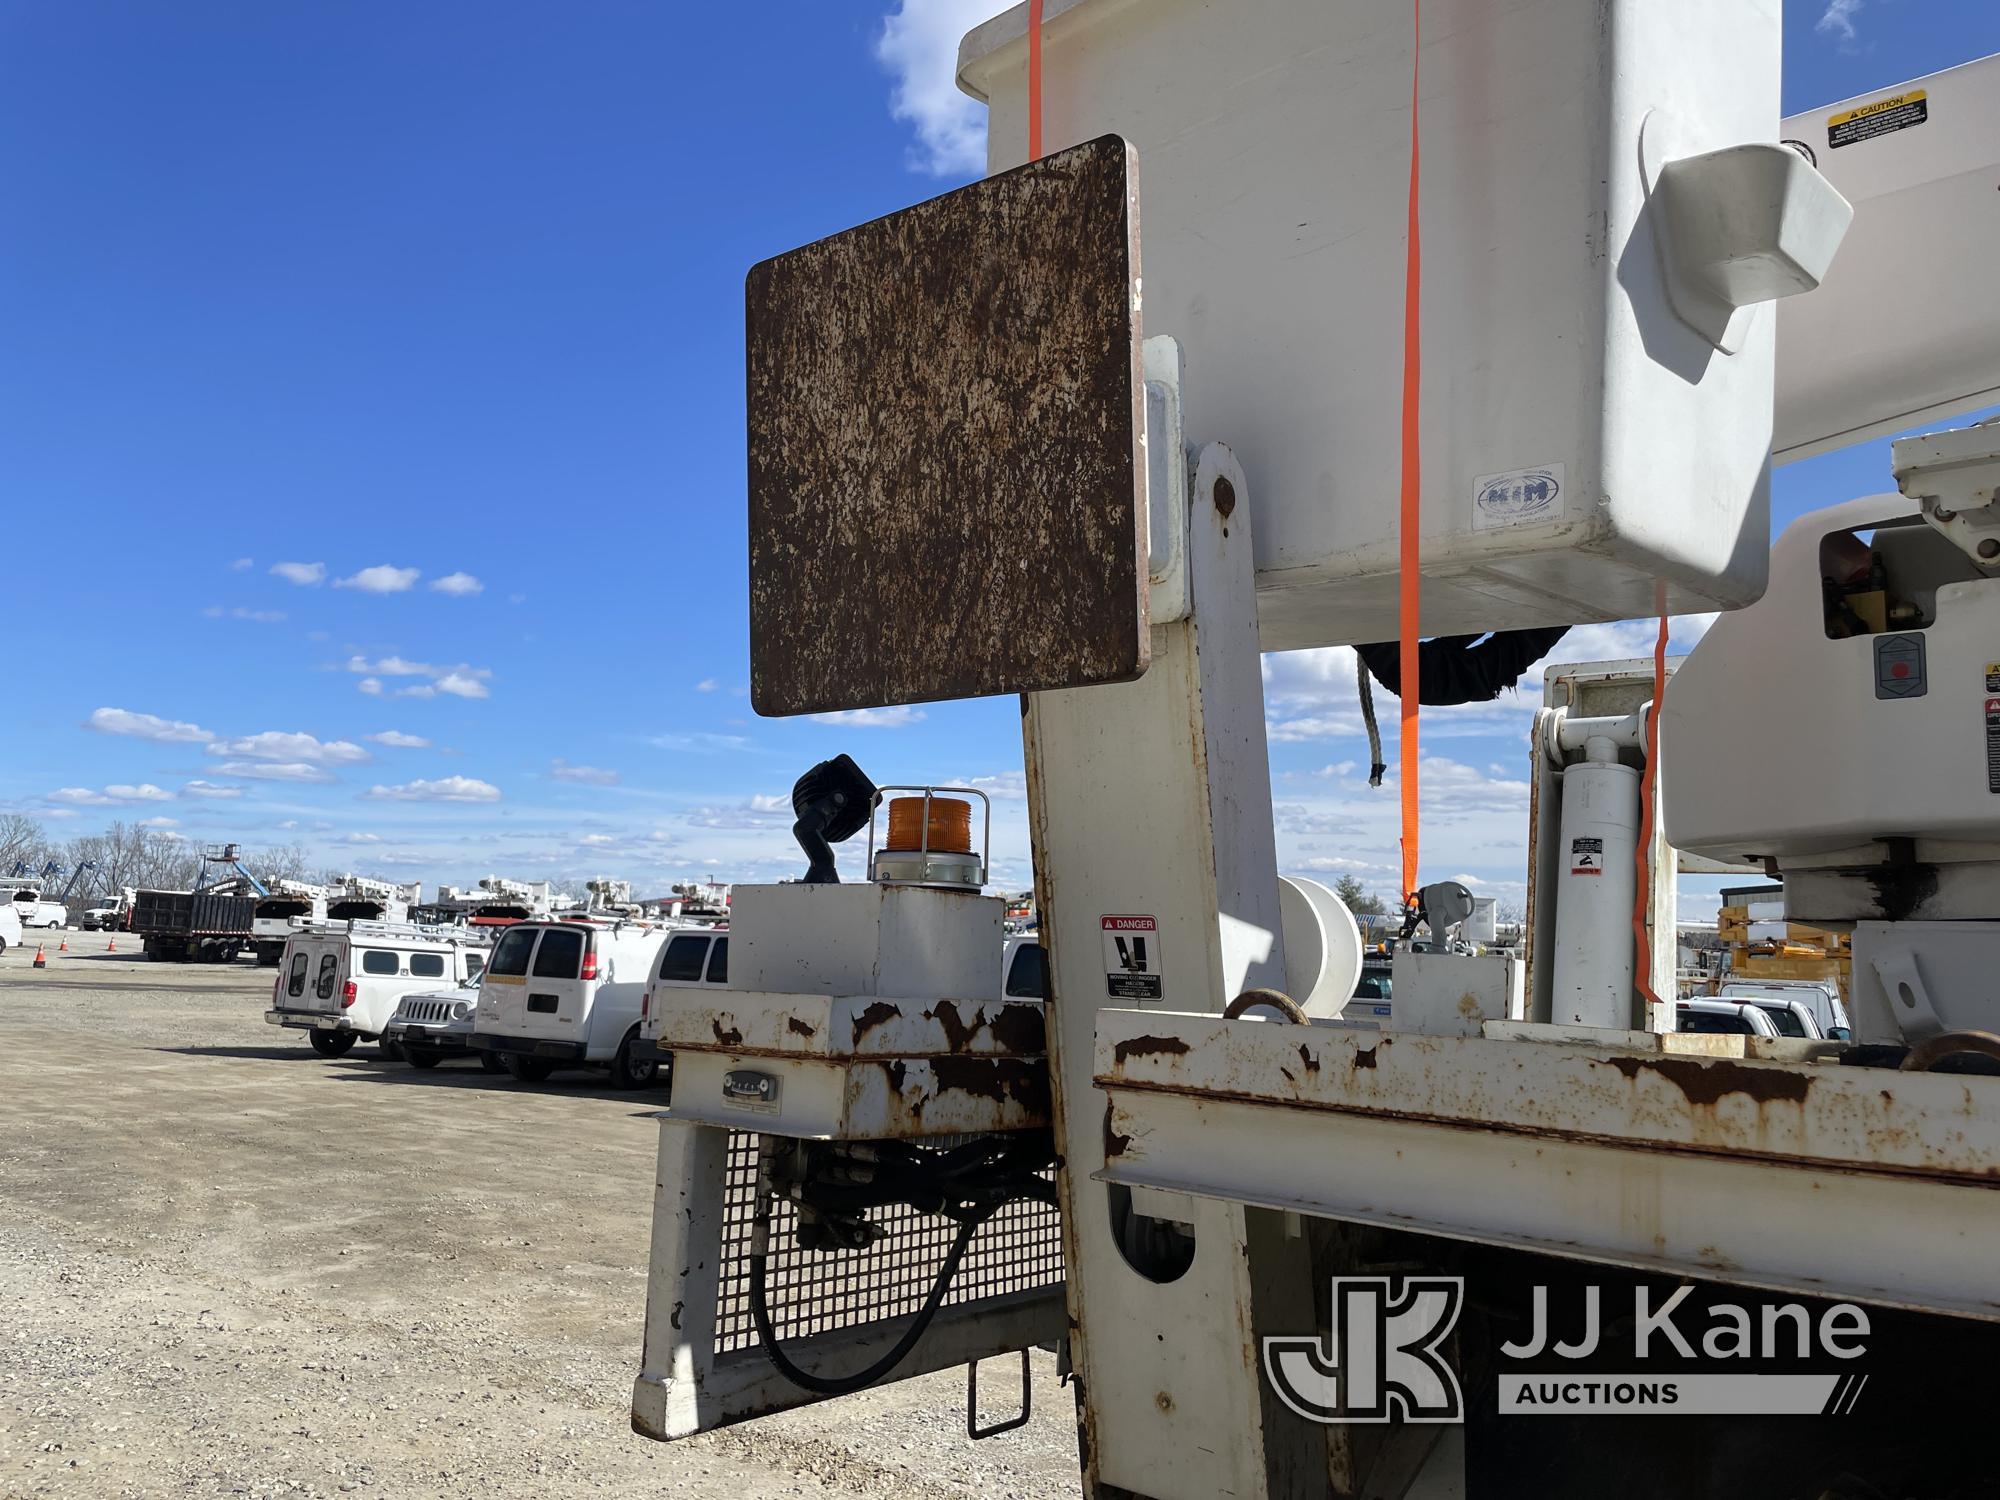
[(700, 741), (289, 824), (562, 770), (243, 564), (597, 841), (257, 770), (919, 47), (261, 616), (757, 814), (300, 573), (1838, 20), (80, 796), (706, 685), (460, 584), (445, 789), (872, 718), (380, 579), (147, 727), (400, 741), (461, 684), (461, 681), (145, 791), (210, 790), (159, 823), (392, 666), (1007, 786), (275, 744), (361, 838)]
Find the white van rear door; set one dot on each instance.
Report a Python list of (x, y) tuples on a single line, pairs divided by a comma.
[(313, 976)]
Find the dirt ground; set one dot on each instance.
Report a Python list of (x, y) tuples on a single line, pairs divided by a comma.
[(230, 1267)]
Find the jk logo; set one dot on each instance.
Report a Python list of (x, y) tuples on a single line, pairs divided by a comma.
[(1381, 1362)]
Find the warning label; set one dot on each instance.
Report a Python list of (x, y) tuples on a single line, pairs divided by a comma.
[(1586, 856), (1993, 744), (1132, 966), (1993, 677), (1883, 117)]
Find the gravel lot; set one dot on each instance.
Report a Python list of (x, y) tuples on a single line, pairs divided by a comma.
[(229, 1267)]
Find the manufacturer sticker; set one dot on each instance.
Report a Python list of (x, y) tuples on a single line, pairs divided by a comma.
[(1883, 117), (1586, 856), (1899, 666), (1993, 677), (1133, 969), (1519, 498), (744, 1089)]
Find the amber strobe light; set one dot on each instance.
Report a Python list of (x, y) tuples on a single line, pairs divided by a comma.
[(950, 825)]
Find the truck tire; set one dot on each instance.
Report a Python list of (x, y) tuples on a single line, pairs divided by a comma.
[(331, 1043), (631, 1067), (389, 1050), (490, 1062), (528, 1069), (422, 1057)]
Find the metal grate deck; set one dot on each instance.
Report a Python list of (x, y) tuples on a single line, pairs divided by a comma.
[(812, 1292)]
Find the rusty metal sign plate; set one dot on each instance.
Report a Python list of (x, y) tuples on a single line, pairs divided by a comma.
[(946, 409)]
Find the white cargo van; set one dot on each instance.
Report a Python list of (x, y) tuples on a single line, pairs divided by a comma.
[(566, 994), (691, 960), (341, 983), (10, 927), (34, 911)]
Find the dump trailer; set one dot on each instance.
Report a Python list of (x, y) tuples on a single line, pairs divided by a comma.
[(193, 926)]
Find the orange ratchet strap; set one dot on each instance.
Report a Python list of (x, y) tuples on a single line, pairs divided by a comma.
[(1408, 583), (1034, 80)]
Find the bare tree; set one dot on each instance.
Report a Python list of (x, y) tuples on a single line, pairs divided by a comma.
[(279, 862), (22, 841)]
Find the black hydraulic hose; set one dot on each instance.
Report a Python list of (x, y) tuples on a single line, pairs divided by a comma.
[(842, 1385)]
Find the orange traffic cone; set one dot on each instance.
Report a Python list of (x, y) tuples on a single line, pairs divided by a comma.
[(63, 947), (114, 946), (41, 959)]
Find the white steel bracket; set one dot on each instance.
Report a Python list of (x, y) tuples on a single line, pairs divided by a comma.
[(1156, 875)]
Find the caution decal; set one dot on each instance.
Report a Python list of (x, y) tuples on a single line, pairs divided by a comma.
[(1883, 117)]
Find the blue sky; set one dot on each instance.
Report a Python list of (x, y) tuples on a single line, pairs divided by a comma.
[(371, 414)]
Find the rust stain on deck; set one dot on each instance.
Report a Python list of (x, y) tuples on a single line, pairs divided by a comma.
[(1148, 1046), (1706, 1082)]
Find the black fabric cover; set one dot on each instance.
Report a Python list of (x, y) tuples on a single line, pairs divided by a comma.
[(1452, 669)]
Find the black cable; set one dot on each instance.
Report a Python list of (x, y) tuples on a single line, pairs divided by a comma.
[(1376, 765), (842, 1385)]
